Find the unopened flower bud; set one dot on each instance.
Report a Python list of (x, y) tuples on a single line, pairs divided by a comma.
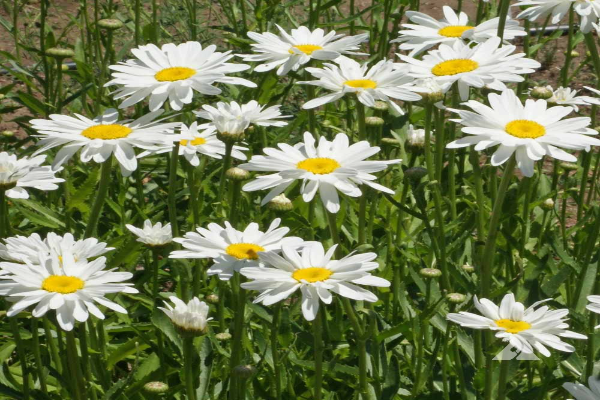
[(390, 141), (244, 371), (548, 205), (156, 387), (8, 133), (567, 166), (456, 298), (212, 298), (374, 121), (280, 203), (468, 268), (415, 138), (540, 92), (110, 24), (381, 106), (415, 174), (237, 174), (573, 53), (430, 272), (232, 137), (64, 67), (223, 336), (59, 52)]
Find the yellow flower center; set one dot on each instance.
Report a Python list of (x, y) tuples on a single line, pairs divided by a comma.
[(453, 67), (513, 326), (312, 275), (174, 74), (525, 129), (319, 165), (305, 48), (62, 284), (361, 84), (195, 142), (244, 251), (106, 132), (454, 30)]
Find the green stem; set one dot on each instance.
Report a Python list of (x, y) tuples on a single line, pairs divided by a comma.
[(237, 348), (568, 56), (504, 5), (275, 349), (37, 354), (105, 170), (318, 354), (74, 371), (172, 199), (51, 343), (226, 165), (188, 361), (504, 364), (14, 327)]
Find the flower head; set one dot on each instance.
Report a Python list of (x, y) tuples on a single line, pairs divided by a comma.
[(415, 137), (486, 64), (251, 112), (189, 319), (152, 235), (62, 284), (173, 73), (426, 32), (18, 174), (231, 249), (104, 136), (567, 97), (315, 273), (530, 131), (194, 141), (287, 52), (525, 329), (588, 11), (383, 81), (326, 168)]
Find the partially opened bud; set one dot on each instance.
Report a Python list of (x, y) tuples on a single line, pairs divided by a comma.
[(156, 387), (280, 203), (190, 319)]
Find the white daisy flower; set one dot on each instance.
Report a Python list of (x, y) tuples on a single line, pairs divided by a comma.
[(18, 174), (581, 392), (173, 72), (64, 285), (383, 81), (525, 329), (316, 275), (193, 141), (291, 51), (231, 249), (427, 32), (415, 137), (532, 131), (152, 235), (189, 319), (483, 65), (594, 305), (104, 136), (566, 97), (588, 11), (328, 167), (592, 100), (252, 112), (29, 248)]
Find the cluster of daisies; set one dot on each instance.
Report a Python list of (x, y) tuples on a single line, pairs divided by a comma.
[(69, 276)]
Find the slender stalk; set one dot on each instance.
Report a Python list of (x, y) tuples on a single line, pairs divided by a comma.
[(74, 371), (188, 361), (226, 165), (173, 190), (35, 339), (504, 5), (318, 353), (568, 57), (52, 345), (275, 350), (504, 364), (362, 127), (237, 348), (105, 170)]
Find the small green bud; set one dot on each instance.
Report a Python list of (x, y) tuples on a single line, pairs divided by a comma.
[(374, 121), (540, 92), (430, 272), (415, 174), (456, 298), (389, 141), (110, 24), (280, 203), (212, 298), (548, 205), (8, 133), (156, 387), (223, 336), (567, 166), (468, 268), (381, 106), (59, 52), (244, 371), (237, 174)]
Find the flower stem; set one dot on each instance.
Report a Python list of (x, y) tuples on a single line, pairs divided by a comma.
[(362, 127), (74, 371), (226, 165), (504, 364), (173, 190), (105, 170), (318, 352), (568, 56), (188, 361), (275, 349), (504, 5), (237, 348), (35, 338)]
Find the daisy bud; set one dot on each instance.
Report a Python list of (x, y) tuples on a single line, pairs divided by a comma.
[(567, 166), (415, 174), (190, 319), (540, 92), (456, 298), (223, 336), (58, 52), (8, 133), (212, 298), (374, 121), (110, 24), (415, 138), (2, 96), (244, 371), (280, 203), (64, 67), (548, 205), (381, 106), (432, 97), (230, 137), (430, 273), (573, 53), (156, 387), (389, 141), (237, 174), (468, 268)]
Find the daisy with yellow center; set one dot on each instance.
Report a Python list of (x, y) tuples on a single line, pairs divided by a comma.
[(194, 141), (72, 288), (289, 51), (231, 249), (487, 64), (314, 272), (425, 32), (528, 131), (326, 168), (380, 82), (524, 329), (103, 136), (173, 73), (19, 174)]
